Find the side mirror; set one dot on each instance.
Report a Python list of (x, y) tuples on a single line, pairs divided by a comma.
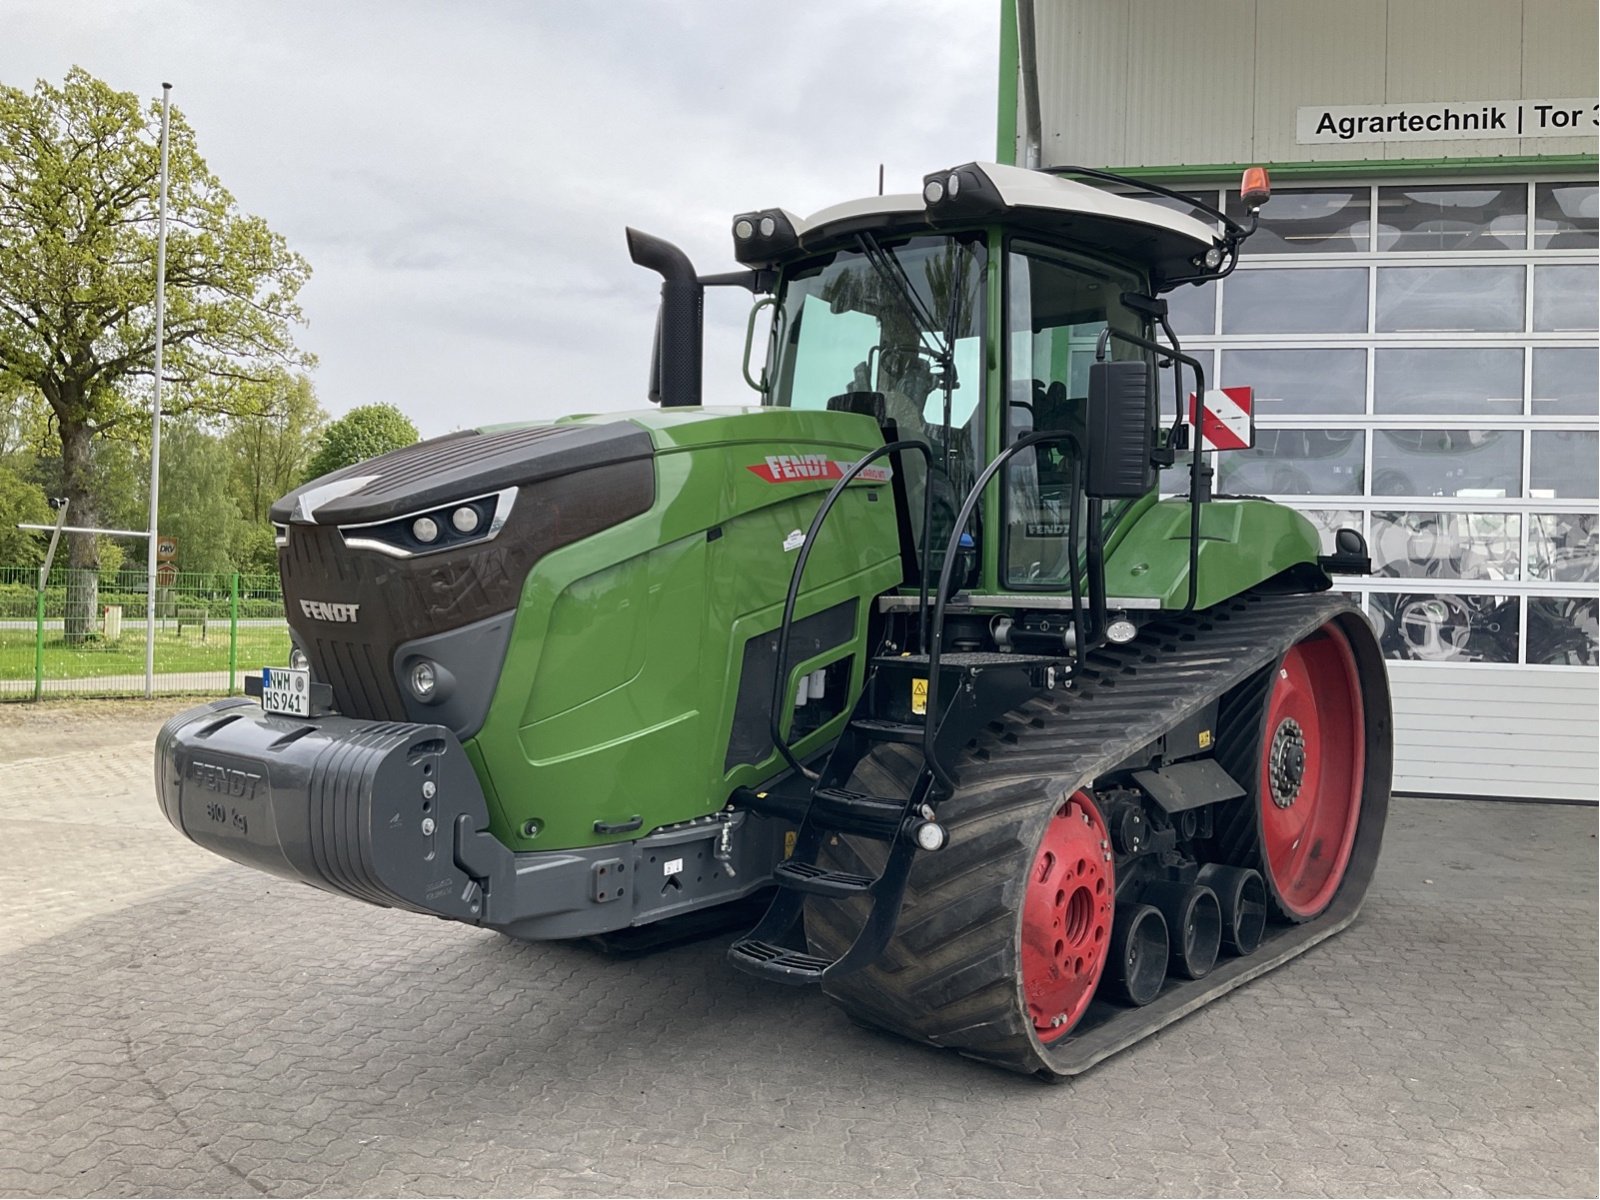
[(1120, 431)]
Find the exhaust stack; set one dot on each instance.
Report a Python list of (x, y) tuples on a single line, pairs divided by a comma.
[(675, 360)]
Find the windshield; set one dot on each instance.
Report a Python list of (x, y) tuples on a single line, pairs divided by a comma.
[(903, 320)]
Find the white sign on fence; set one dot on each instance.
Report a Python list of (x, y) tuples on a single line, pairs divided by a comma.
[(1455, 120)]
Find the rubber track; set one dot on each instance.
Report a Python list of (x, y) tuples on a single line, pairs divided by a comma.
[(951, 976)]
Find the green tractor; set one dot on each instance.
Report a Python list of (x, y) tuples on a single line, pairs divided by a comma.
[(1022, 759)]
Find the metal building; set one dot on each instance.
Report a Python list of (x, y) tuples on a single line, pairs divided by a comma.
[(1417, 316)]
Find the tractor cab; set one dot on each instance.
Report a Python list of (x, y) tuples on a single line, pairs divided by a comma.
[(997, 306)]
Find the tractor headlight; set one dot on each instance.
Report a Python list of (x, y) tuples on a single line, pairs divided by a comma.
[(298, 659), (1213, 258), (462, 523), (933, 191), (423, 680)]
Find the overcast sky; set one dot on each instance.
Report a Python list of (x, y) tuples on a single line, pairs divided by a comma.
[(459, 174)]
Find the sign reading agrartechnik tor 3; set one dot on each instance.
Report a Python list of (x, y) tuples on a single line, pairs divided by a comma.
[(1452, 120)]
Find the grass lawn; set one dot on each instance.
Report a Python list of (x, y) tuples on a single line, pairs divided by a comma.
[(259, 645)]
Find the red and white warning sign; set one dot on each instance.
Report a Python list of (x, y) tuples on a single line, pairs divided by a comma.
[(1229, 418)]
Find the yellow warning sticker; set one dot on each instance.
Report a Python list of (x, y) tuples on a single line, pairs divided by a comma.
[(1205, 739), (788, 843), (919, 697)]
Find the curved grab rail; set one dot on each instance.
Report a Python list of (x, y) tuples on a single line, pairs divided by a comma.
[(936, 647), (780, 667)]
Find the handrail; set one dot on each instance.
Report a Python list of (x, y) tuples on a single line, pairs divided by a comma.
[(780, 667), (936, 647)]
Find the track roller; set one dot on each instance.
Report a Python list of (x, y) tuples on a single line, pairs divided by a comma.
[(1194, 925), (1138, 962), (1242, 897)]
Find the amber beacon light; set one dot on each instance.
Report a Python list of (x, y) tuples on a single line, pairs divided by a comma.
[(1255, 189)]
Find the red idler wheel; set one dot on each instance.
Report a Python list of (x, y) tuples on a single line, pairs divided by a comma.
[(1309, 778), (1066, 917)]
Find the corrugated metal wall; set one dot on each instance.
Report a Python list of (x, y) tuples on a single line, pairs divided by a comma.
[(1173, 82), (1525, 732)]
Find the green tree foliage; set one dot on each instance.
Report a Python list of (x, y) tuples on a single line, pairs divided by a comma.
[(197, 506), (360, 434), (79, 183), (21, 500), (270, 443)]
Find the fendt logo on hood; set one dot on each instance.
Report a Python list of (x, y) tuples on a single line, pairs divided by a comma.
[(326, 610)]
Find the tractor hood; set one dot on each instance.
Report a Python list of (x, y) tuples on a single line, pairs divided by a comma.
[(422, 554)]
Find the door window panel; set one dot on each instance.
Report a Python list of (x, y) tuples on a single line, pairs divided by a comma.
[(1309, 221), (1446, 545), (1057, 308), (1476, 463), (1564, 298), (1296, 462), (1479, 216), (1419, 627), (1566, 216), (1295, 383), (1298, 300), (1566, 381), (1562, 465), (1563, 631), (1562, 547), (1465, 381), (1450, 299)]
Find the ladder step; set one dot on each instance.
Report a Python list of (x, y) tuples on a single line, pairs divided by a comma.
[(889, 731), (778, 963), (819, 881), (841, 809)]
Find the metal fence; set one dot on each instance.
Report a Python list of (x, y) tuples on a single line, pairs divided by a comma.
[(83, 633)]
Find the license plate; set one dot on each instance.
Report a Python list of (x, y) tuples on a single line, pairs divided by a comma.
[(286, 690)]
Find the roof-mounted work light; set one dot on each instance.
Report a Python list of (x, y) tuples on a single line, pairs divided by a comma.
[(761, 238)]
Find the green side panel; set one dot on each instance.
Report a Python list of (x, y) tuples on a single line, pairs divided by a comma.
[(618, 694), (1242, 542)]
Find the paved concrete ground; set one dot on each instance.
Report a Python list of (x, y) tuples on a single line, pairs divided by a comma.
[(176, 1025)]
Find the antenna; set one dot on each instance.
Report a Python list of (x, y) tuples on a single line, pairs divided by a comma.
[(880, 179)]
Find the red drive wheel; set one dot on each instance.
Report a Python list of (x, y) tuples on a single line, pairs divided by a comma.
[(1066, 917), (1310, 774)]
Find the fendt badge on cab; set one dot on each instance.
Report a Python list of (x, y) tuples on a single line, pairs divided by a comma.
[(326, 610)]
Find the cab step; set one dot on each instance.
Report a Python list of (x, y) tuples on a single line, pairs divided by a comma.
[(889, 731), (778, 963), (819, 881)]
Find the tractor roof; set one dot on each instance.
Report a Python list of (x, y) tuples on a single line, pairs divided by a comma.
[(1167, 243)]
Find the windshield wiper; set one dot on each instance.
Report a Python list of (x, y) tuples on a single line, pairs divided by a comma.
[(892, 271)]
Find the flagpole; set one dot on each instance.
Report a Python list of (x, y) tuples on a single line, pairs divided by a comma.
[(155, 410)]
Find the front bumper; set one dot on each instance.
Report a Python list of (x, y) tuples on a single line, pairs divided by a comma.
[(368, 809), (392, 813)]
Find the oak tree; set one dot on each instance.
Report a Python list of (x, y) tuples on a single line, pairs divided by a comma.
[(79, 184)]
